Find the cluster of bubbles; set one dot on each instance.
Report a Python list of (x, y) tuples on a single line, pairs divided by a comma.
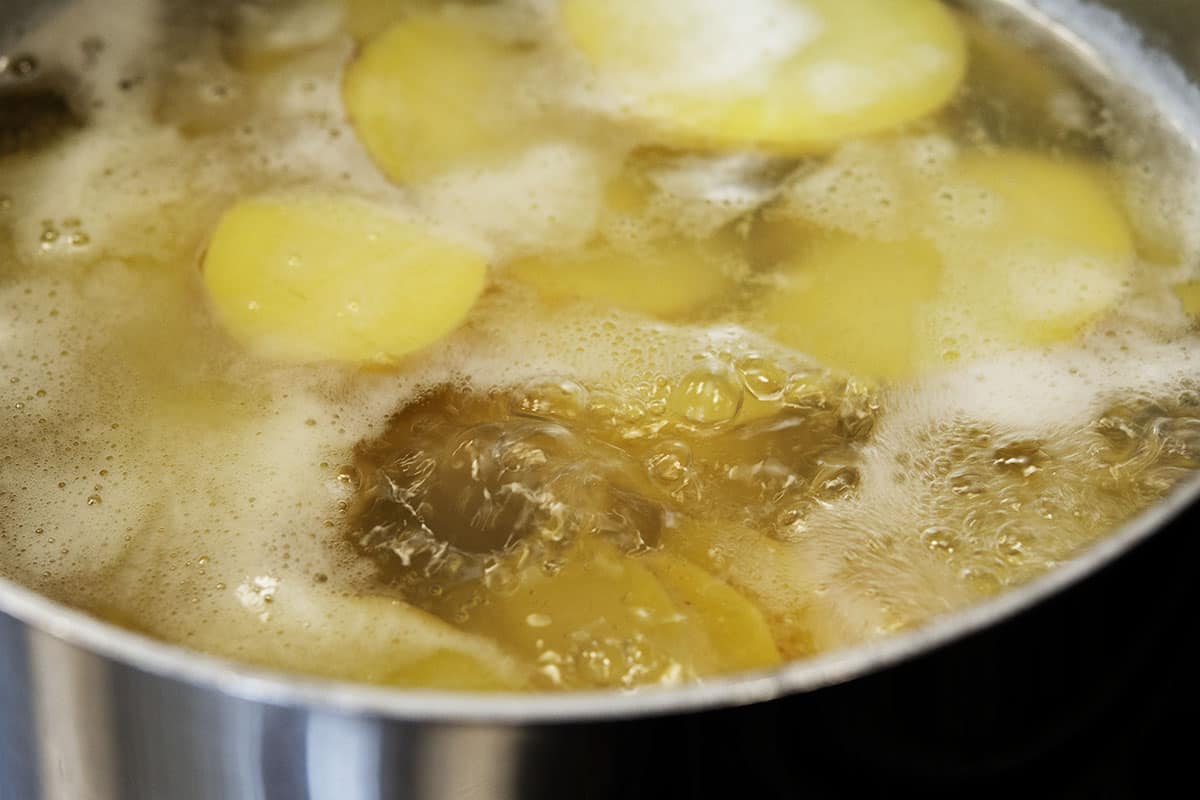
[(469, 486)]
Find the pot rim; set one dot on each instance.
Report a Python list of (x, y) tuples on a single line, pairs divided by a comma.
[(261, 685)]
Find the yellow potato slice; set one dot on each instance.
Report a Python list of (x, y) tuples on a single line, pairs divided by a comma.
[(1188, 294), (609, 619), (777, 577), (735, 628), (820, 71), (667, 278), (432, 92), (856, 304), (319, 277), (993, 251), (1040, 246), (364, 638)]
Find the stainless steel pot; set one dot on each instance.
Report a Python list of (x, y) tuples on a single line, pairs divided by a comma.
[(985, 700)]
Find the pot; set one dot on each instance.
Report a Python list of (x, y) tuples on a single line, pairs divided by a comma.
[(1062, 686)]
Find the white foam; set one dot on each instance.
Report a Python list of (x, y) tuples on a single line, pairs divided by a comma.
[(546, 197)]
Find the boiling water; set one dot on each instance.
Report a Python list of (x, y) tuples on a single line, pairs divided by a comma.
[(758, 455)]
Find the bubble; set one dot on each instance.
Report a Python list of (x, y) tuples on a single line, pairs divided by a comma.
[(764, 379), (563, 398), (707, 397), (940, 539)]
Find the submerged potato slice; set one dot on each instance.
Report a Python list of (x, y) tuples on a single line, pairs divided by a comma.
[(364, 638), (609, 619), (431, 93), (990, 252), (776, 577), (735, 628), (667, 278), (1041, 245), (820, 71), (1188, 294), (315, 278), (856, 304)]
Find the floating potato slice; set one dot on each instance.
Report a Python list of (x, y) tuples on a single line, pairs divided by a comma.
[(1040, 246), (833, 69), (606, 619), (368, 638), (432, 92), (316, 277), (667, 278), (857, 304)]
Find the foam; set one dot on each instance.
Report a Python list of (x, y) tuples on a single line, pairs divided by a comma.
[(550, 195)]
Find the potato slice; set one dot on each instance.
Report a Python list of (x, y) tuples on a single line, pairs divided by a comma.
[(735, 628), (857, 304), (777, 577), (1040, 246), (609, 619), (432, 92), (368, 638), (990, 252), (1188, 294), (820, 71), (319, 277), (668, 278)]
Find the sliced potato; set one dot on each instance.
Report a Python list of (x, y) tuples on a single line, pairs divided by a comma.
[(856, 304), (1188, 294), (365, 638), (313, 278), (775, 576), (736, 630), (609, 619), (666, 278), (991, 251), (433, 92), (833, 68), (1040, 245)]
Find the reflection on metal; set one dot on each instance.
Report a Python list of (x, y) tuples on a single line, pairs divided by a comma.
[(73, 722)]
